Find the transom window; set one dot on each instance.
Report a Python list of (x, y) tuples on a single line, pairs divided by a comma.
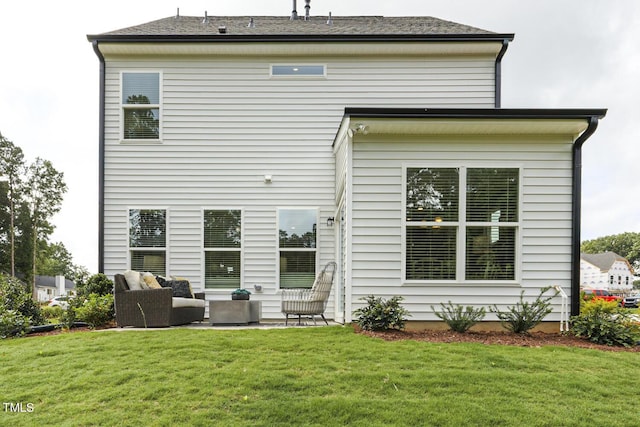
[(298, 70), (222, 248), (141, 105), (297, 246), (148, 240), (461, 223)]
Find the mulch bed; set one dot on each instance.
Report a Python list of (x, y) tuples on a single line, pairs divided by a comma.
[(534, 339)]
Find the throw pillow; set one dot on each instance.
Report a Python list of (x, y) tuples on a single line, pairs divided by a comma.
[(187, 280), (150, 280), (133, 280), (180, 288)]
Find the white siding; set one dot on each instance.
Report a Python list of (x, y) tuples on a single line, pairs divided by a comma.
[(226, 123), (377, 222)]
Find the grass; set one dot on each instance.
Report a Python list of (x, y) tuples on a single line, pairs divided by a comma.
[(306, 376)]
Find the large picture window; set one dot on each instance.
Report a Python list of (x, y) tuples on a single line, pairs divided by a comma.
[(297, 246), (222, 248), (148, 240), (141, 105), (461, 223)]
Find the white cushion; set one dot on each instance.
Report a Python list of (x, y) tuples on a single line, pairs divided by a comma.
[(177, 302), (133, 280)]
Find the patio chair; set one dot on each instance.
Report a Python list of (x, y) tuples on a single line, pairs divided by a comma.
[(309, 302)]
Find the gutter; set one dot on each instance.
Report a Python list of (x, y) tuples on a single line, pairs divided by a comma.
[(498, 72), (101, 155), (576, 217)]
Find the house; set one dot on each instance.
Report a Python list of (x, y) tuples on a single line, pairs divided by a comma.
[(606, 270), (48, 287), (250, 151)]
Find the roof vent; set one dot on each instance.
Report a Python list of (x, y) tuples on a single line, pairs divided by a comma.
[(251, 24), (330, 20), (178, 13), (222, 29), (206, 18), (307, 7), (294, 12)]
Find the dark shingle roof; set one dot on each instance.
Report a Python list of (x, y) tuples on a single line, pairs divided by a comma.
[(267, 26)]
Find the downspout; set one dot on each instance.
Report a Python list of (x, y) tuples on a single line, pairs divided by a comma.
[(498, 73), (101, 151), (577, 212)]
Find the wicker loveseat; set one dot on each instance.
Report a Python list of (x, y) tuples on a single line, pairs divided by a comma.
[(154, 307)]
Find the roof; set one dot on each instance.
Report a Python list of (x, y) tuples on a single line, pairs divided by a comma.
[(50, 282), (268, 27), (604, 260)]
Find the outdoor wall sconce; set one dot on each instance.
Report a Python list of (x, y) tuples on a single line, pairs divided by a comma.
[(358, 129), (330, 221)]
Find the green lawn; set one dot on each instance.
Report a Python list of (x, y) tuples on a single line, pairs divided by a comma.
[(325, 376)]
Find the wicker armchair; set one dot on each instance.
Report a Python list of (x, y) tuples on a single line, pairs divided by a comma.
[(151, 308), (309, 302)]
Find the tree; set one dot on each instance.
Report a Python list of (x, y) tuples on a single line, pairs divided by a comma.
[(54, 260), (626, 245), (11, 167), (44, 189)]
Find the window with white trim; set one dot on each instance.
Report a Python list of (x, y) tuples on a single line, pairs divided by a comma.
[(141, 105), (461, 223), (148, 240), (222, 248), (297, 247)]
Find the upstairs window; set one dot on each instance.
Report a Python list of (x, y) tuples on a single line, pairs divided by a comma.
[(141, 105), (148, 240), (461, 223), (222, 249), (298, 71)]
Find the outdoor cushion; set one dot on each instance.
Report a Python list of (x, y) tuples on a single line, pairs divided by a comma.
[(150, 280), (180, 288), (133, 280), (177, 302)]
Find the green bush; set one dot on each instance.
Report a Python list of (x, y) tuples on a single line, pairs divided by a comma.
[(460, 319), (524, 316), (52, 312), (12, 323), (380, 315), (603, 322), (16, 296), (98, 284), (96, 310)]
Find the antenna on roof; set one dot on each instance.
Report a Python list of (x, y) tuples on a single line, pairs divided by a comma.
[(294, 12), (307, 7), (206, 18)]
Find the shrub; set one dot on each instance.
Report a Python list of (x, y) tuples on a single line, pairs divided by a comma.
[(460, 319), (602, 322), (96, 310), (16, 296), (524, 316), (380, 315), (98, 284), (12, 323), (52, 312)]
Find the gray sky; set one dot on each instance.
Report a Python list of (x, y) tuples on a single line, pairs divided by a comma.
[(566, 54)]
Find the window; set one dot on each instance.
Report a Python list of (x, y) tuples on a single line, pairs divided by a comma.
[(298, 70), (440, 217), (141, 105), (297, 246), (147, 240), (222, 248)]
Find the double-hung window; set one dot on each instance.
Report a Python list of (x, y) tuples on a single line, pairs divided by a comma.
[(297, 247), (148, 240), (461, 223), (222, 248), (141, 105)]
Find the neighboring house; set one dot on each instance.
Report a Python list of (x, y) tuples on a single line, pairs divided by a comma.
[(48, 287), (606, 270), (240, 151)]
